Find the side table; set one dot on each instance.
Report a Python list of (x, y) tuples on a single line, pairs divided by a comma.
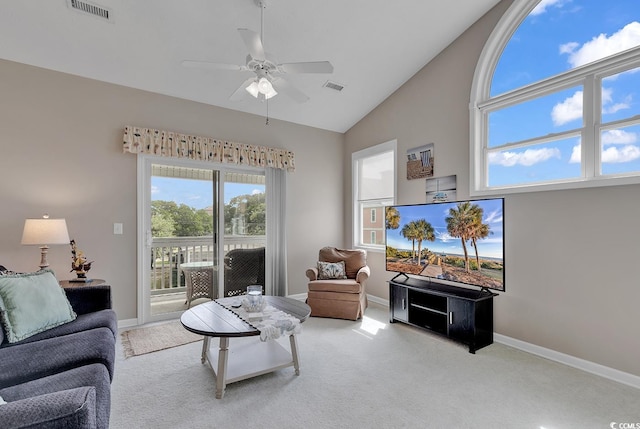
[(92, 282)]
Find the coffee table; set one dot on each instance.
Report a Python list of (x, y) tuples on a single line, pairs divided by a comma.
[(250, 357)]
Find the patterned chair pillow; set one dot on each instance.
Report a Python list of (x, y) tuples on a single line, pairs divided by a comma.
[(331, 270)]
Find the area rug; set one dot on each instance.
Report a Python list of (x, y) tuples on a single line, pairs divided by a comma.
[(141, 341)]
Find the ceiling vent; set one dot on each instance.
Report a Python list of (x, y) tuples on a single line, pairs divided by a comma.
[(332, 85), (91, 9)]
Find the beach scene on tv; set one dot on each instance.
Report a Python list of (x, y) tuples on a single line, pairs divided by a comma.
[(456, 241)]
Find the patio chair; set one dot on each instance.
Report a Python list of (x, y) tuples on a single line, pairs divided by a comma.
[(242, 268)]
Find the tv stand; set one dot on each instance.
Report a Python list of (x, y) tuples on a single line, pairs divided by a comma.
[(461, 314)]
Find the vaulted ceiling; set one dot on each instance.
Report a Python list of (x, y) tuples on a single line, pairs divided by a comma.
[(375, 46)]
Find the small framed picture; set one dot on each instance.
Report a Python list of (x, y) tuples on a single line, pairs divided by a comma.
[(420, 162), (441, 189)]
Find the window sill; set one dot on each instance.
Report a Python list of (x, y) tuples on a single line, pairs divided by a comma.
[(593, 183), (372, 249)]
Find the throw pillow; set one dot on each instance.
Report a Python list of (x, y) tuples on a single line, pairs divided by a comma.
[(31, 303), (331, 270)]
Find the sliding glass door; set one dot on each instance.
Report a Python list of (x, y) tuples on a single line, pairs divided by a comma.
[(204, 235)]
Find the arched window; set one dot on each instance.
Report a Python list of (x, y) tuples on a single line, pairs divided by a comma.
[(555, 101)]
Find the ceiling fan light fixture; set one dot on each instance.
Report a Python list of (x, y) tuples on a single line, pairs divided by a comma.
[(270, 94), (253, 89), (265, 87), (262, 86)]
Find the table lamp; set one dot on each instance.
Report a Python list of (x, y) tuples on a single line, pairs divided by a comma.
[(45, 231)]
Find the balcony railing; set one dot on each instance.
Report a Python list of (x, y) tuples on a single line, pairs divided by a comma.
[(168, 253)]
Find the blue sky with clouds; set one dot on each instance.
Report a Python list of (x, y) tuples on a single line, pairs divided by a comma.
[(557, 36), (196, 193)]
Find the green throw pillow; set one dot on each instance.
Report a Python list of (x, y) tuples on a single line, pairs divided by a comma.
[(32, 303)]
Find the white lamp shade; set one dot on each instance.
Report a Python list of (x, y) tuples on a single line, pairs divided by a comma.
[(265, 87), (262, 86), (253, 89), (45, 231)]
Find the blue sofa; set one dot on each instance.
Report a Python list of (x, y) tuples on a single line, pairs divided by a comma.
[(61, 377)]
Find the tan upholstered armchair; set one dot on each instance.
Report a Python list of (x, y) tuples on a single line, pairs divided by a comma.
[(340, 298)]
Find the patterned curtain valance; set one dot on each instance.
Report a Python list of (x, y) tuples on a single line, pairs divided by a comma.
[(176, 145)]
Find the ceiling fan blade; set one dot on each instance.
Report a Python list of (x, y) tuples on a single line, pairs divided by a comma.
[(240, 92), (308, 67), (253, 43), (284, 87), (205, 65)]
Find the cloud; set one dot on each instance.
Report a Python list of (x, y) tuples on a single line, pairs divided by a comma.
[(443, 236), (155, 190), (607, 99), (576, 154), (568, 48), (544, 4), (257, 191), (619, 137), (527, 158), (493, 217), (568, 110), (571, 108), (615, 154), (602, 46)]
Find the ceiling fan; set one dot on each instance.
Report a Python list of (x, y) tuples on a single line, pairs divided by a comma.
[(268, 80)]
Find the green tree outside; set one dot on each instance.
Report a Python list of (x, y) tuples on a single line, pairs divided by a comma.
[(243, 215)]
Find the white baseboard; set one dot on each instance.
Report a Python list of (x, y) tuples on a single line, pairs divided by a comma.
[(127, 323), (299, 296), (378, 300), (584, 365)]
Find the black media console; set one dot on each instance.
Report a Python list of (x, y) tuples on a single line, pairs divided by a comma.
[(464, 315)]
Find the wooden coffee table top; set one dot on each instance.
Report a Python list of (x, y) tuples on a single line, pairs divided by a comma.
[(213, 320)]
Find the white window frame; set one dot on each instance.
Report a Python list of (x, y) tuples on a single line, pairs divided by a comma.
[(373, 215), (357, 221), (589, 76)]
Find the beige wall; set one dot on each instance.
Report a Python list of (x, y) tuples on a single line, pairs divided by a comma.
[(60, 152), (571, 256)]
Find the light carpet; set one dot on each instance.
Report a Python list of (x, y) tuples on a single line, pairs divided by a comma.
[(150, 339), (370, 374)]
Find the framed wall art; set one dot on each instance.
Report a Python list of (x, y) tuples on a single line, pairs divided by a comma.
[(441, 189), (420, 162)]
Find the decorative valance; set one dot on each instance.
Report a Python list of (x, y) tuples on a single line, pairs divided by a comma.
[(176, 145)]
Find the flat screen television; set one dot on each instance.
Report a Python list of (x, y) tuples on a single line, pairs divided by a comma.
[(461, 242)]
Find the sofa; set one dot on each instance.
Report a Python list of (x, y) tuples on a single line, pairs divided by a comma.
[(57, 375), (337, 284)]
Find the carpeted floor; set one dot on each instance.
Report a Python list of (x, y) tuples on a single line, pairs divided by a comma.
[(150, 339), (370, 374)]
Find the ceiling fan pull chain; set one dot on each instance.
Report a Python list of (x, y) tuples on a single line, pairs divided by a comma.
[(267, 121)]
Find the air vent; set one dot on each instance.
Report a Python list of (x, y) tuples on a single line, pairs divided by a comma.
[(91, 9), (332, 85)]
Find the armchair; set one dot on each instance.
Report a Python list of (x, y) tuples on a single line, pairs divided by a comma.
[(340, 298)]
